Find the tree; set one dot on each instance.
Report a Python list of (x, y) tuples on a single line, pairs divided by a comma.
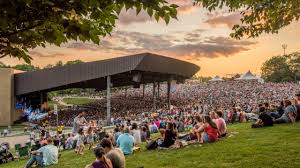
[(277, 69), (59, 64), (258, 16), (25, 67), (48, 66), (74, 62), (26, 24)]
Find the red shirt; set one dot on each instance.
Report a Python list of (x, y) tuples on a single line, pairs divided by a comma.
[(212, 133)]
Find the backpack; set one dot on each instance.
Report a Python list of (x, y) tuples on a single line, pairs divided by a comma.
[(152, 145)]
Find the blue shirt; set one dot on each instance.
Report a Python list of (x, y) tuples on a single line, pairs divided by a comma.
[(126, 142), (50, 154)]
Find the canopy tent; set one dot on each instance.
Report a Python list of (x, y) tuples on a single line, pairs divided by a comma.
[(216, 79), (249, 76)]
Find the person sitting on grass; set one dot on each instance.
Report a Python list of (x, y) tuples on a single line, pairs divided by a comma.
[(144, 134), (153, 127), (136, 133), (209, 131), (126, 142), (45, 156), (117, 133), (221, 124), (115, 155), (199, 124), (264, 119), (289, 115), (69, 142), (169, 136), (90, 137), (80, 142), (101, 161)]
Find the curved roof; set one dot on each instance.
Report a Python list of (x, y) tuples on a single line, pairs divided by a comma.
[(152, 68)]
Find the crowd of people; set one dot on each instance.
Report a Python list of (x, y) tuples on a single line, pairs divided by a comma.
[(200, 113), (187, 97)]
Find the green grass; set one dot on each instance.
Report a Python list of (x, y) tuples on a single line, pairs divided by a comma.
[(78, 101), (277, 146)]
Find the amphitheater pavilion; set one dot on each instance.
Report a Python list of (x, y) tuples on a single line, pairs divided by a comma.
[(134, 70)]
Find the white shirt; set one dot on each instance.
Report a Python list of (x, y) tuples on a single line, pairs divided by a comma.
[(137, 136)]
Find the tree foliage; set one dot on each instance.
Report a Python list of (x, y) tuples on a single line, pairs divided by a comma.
[(29, 67), (282, 68), (26, 67), (26, 24), (258, 16)]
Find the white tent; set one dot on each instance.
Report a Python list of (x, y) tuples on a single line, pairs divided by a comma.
[(216, 79), (249, 76)]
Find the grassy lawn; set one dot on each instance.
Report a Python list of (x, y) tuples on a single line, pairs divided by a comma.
[(78, 101), (277, 146)]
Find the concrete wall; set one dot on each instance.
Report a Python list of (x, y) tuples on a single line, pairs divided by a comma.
[(7, 115)]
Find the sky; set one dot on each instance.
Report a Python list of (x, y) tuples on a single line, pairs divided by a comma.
[(198, 36)]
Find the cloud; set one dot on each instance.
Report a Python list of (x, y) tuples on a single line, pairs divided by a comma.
[(191, 45), (211, 47), (228, 20), (45, 54), (130, 16), (185, 6), (194, 35), (104, 44)]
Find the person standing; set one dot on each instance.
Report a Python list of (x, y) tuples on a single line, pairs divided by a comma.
[(79, 122)]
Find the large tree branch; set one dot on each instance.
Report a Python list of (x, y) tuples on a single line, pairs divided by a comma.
[(21, 30), (4, 55)]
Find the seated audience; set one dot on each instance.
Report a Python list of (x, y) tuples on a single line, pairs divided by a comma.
[(289, 115), (117, 133), (144, 134), (45, 156), (126, 142), (115, 155), (101, 161), (169, 136), (209, 130), (199, 124), (264, 119), (221, 124), (136, 133), (69, 141)]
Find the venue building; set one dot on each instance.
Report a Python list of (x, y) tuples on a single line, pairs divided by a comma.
[(30, 88)]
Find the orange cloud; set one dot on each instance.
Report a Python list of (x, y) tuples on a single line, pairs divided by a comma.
[(228, 20)]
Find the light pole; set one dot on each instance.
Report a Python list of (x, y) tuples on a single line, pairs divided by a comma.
[(284, 46)]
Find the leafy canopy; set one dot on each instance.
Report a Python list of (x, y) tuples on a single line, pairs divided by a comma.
[(282, 68), (258, 16), (26, 24)]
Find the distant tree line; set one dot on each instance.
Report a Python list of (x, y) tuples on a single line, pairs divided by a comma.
[(282, 68), (29, 67)]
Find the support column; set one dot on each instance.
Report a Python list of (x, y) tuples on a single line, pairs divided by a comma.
[(108, 105), (169, 94), (154, 97), (158, 87), (143, 91), (41, 100)]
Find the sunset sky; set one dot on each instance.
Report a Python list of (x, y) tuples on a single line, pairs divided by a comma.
[(198, 36)]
